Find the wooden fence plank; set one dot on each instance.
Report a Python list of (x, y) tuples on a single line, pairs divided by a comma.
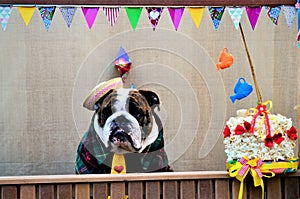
[(187, 189), (46, 191), (205, 189), (236, 188), (291, 188), (152, 190), (254, 192), (274, 188), (100, 190), (64, 191), (135, 190), (117, 190), (286, 187), (27, 192), (55, 179), (10, 192), (82, 191), (170, 189), (222, 188)]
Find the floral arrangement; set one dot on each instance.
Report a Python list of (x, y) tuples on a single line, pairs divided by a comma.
[(260, 134), (258, 142)]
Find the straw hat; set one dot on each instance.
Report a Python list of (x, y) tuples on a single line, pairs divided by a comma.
[(100, 90)]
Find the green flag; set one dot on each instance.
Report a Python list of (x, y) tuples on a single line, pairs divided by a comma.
[(133, 14)]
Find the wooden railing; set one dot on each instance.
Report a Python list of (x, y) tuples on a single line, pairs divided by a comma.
[(173, 185)]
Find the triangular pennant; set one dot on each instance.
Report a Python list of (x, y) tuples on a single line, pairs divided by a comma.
[(68, 14), (273, 13), (26, 13), (253, 14), (47, 14), (236, 15), (90, 15), (289, 14), (112, 15), (5, 12), (196, 14), (133, 16), (216, 14), (154, 15), (176, 15)]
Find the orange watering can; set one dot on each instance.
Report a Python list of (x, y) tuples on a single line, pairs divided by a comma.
[(225, 59)]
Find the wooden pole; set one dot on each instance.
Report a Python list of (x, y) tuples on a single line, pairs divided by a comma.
[(259, 98)]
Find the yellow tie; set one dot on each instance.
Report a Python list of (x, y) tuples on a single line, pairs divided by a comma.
[(118, 164)]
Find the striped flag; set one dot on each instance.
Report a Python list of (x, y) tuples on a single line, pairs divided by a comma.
[(112, 15)]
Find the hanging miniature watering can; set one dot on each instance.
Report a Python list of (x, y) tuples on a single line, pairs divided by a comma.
[(225, 59), (241, 90)]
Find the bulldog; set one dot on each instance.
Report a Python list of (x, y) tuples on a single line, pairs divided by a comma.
[(124, 122)]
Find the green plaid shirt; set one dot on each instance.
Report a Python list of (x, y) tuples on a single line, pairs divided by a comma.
[(94, 158)]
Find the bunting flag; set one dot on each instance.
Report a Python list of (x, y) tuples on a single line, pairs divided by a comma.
[(5, 12), (196, 14), (289, 14), (68, 14), (236, 15), (216, 14), (90, 15), (273, 13), (154, 15), (253, 14), (47, 15), (133, 14), (112, 15), (176, 15), (26, 13)]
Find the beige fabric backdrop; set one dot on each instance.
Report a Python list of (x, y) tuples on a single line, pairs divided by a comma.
[(45, 76)]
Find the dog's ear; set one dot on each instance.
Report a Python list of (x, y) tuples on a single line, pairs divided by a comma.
[(151, 97), (99, 102)]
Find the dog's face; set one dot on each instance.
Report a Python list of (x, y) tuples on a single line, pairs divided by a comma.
[(124, 119)]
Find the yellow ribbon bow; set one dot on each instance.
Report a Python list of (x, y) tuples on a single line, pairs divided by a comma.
[(259, 169), (242, 168)]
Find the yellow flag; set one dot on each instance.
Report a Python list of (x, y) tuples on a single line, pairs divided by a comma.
[(26, 13), (196, 14)]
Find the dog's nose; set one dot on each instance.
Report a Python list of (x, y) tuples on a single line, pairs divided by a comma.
[(119, 134)]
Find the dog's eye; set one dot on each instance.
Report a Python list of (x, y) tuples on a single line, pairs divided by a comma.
[(104, 114), (138, 114)]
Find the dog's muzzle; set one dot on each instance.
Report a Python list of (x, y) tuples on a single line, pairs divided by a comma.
[(124, 132)]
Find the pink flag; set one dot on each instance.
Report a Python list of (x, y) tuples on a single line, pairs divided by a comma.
[(111, 14), (253, 14), (176, 15), (90, 15)]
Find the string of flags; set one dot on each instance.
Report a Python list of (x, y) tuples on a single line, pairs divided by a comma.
[(154, 14)]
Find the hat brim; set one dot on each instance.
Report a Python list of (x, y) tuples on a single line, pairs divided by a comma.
[(100, 90)]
